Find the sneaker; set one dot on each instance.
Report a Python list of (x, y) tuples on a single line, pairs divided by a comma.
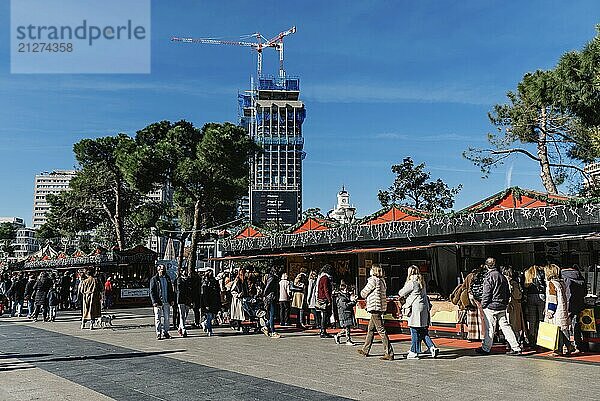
[(209, 334), (82, 326), (350, 343), (325, 335), (265, 331), (184, 335), (434, 352), (387, 358), (481, 351), (336, 338), (362, 352), (412, 355), (180, 332), (514, 353), (159, 337), (275, 335), (167, 335)]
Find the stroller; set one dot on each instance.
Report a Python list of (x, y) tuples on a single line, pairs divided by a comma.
[(255, 314)]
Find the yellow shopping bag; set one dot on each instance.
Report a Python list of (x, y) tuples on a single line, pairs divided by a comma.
[(548, 336)]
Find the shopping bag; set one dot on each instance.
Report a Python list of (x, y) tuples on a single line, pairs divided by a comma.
[(548, 336)]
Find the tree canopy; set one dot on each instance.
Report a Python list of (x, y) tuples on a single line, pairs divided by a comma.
[(413, 187), (552, 118)]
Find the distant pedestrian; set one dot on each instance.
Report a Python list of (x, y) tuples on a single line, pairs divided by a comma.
[(162, 298), (54, 301), (211, 299), (41, 288), (416, 307), (298, 290), (514, 310), (183, 292), (91, 294), (475, 318), (270, 299), (494, 302), (557, 309), (325, 299), (29, 294), (311, 294), (535, 290), (575, 291), (239, 292), (375, 294), (108, 293), (284, 300), (16, 294), (345, 302)]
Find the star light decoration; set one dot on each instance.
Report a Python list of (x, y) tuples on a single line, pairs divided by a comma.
[(439, 225)]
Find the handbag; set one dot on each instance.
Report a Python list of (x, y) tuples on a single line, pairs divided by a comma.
[(548, 336), (322, 304)]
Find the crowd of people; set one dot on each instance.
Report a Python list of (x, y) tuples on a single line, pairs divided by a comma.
[(28, 294), (492, 297), (499, 296)]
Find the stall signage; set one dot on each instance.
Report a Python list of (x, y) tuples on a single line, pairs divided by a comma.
[(135, 292)]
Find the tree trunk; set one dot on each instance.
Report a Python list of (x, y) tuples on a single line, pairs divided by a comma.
[(181, 253), (195, 239), (118, 219), (542, 151)]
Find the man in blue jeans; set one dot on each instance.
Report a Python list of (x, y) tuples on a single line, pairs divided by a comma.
[(162, 297), (271, 297)]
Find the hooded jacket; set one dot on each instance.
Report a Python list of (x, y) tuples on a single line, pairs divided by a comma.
[(575, 290)]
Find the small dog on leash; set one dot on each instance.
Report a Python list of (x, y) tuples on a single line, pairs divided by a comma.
[(106, 320)]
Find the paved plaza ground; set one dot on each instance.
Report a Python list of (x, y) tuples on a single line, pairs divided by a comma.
[(59, 361)]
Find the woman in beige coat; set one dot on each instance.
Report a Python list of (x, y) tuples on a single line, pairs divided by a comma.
[(91, 291), (514, 309)]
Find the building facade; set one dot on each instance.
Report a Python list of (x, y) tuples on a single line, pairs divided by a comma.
[(273, 115), (46, 183), (593, 172)]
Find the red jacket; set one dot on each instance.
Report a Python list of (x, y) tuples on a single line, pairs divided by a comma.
[(324, 288)]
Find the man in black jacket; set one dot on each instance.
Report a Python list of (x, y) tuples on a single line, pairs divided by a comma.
[(183, 291), (162, 297), (270, 298), (494, 301), (576, 290)]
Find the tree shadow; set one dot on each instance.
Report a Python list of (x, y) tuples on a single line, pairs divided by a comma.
[(7, 366)]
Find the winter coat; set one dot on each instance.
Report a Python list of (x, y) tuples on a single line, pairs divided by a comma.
[(16, 292), (271, 291), (495, 291), (91, 290), (239, 290), (284, 290), (29, 288), (575, 290), (183, 290), (345, 309), (324, 288), (53, 297), (514, 308), (557, 312), (311, 293), (476, 284), (416, 305), (375, 294), (298, 296), (155, 290), (210, 295), (41, 288)]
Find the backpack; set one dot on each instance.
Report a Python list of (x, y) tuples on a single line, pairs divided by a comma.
[(460, 296)]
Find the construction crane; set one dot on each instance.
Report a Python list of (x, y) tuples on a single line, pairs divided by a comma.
[(260, 44)]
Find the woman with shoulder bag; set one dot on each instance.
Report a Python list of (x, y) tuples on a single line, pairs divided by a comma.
[(375, 294), (416, 308)]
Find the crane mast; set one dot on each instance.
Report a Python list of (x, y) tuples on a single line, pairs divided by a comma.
[(260, 44)]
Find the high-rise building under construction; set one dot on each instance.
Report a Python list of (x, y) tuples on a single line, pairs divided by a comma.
[(273, 115)]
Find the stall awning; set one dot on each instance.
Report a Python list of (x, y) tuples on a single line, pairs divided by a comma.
[(332, 252)]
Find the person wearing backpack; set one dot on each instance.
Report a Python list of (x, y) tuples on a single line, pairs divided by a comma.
[(575, 291), (345, 302)]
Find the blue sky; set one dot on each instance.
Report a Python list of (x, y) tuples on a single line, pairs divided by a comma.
[(381, 81)]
